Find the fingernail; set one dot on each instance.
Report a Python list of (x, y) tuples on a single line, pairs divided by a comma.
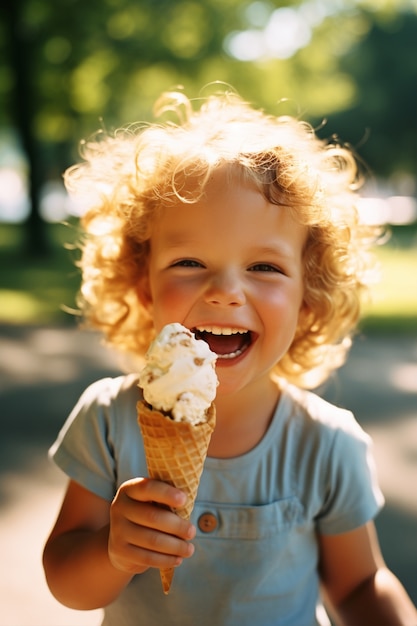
[(181, 498), (191, 532)]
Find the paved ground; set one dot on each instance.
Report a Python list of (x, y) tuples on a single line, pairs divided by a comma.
[(43, 371)]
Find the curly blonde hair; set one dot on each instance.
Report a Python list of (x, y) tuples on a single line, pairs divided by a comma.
[(127, 177)]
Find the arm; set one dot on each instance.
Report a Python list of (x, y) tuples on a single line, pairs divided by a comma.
[(357, 584), (96, 547)]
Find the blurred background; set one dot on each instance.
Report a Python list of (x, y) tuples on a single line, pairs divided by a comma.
[(69, 68)]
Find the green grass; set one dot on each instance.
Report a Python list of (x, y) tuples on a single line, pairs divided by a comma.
[(393, 306), (39, 290)]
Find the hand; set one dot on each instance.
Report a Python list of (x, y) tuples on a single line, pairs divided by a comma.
[(144, 532)]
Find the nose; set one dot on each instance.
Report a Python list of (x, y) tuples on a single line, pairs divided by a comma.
[(225, 289)]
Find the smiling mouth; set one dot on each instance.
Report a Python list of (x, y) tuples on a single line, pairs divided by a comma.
[(226, 342)]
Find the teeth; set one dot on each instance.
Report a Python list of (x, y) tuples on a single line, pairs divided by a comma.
[(232, 355), (221, 330)]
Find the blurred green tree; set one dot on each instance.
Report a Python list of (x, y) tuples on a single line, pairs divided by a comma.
[(69, 67), (382, 118)]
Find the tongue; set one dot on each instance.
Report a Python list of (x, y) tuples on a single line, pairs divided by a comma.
[(224, 344)]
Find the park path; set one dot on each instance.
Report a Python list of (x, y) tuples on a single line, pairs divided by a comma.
[(43, 371)]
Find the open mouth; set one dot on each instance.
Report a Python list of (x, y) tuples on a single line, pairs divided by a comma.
[(226, 342)]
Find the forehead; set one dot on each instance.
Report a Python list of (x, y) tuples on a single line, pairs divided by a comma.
[(229, 208)]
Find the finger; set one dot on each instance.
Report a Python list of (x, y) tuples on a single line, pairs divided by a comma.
[(134, 548), (157, 542), (136, 558), (152, 516), (149, 490), (139, 559)]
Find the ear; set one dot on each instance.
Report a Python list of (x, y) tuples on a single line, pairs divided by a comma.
[(304, 315), (305, 308), (143, 292)]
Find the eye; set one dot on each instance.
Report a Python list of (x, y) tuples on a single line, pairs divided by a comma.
[(264, 267), (187, 263)]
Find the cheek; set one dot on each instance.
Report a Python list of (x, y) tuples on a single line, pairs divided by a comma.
[(169, 300), (168, 293), (272, 300), (282, 307)]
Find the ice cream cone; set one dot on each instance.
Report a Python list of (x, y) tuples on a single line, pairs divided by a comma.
[(175, 453)]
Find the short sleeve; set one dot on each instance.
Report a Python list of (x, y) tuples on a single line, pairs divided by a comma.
[(84, 449), (352, 493)]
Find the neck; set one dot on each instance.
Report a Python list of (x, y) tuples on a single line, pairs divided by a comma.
[(242, 419)]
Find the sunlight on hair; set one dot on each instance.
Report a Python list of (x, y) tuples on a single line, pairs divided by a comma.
[(127, 177)]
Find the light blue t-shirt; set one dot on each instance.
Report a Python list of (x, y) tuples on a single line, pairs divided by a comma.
[(312, 472)]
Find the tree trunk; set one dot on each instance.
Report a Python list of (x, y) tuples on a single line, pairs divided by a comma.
[(24, 107)]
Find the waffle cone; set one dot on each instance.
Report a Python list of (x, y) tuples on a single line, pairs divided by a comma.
[(175, 454)]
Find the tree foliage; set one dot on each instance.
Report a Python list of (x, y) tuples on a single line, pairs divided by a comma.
[(109, 59), (382, 118), (71, 66)]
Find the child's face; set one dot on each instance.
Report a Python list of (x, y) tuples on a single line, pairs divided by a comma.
[(230, 268)]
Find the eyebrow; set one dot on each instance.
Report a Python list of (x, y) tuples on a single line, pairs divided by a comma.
[(278, 250), (173, 243), (281, 249), (176, 240)]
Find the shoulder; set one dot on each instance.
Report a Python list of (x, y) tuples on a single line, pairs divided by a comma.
[(109, 391), (104, 411), (97, 446), (316, 414), (322, 434), (334, 462)]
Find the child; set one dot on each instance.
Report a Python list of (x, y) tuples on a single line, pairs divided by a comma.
[(242, 227)]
